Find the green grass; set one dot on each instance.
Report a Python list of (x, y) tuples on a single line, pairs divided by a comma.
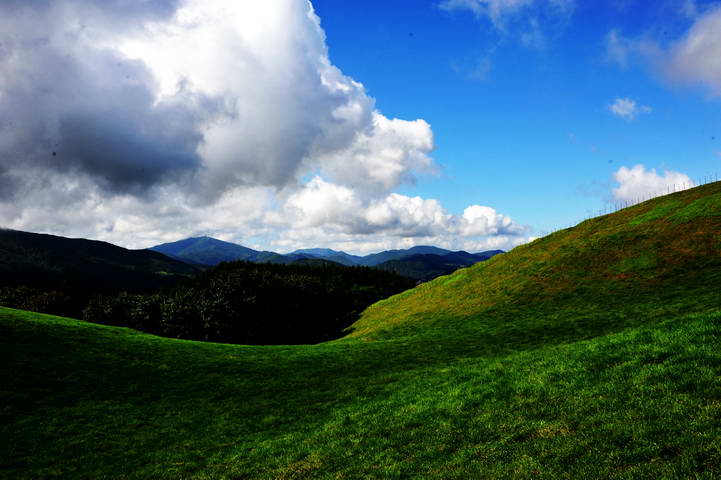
[(635, 264), (705, 206), (546, 362), (101, 402), (661, 210)]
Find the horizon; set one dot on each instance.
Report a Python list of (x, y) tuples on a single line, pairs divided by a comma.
[(357, 126)]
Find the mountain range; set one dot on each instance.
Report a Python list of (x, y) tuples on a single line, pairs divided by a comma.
[(419, 263)]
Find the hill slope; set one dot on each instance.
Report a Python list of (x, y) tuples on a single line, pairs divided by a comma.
[(628, 268), (592, 353)]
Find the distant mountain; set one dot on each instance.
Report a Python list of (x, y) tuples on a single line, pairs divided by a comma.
[(43, 261), (211, 251), (331, 255), (378, 258), (369, 260), (316, 252), (424, 267)]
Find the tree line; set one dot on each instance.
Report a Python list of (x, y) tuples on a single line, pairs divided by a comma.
[(235, 302)]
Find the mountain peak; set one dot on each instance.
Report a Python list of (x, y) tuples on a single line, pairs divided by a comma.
[(206, 250)]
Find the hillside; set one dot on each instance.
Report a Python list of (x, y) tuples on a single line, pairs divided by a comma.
[(594, 352), (40, 260), (632, 267)]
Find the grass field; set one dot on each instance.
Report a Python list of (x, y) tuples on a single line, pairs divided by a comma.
[(592, 353)]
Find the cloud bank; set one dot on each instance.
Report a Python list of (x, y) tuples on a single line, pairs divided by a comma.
[(139, 122)]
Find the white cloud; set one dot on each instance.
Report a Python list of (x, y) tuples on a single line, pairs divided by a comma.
[(338, 210), (696, 58), (636, 183), (481, 221), (627, 108), (383, 156)]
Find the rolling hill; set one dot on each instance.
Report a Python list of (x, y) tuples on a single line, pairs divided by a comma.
[(594, 352), (41, 260)]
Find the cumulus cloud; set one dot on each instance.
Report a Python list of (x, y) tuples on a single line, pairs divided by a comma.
[(91, 91), (627, 108), (636, 183), (341, 210), (139, 122), (383, 156)]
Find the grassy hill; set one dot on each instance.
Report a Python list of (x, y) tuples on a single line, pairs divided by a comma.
[(592, 353), (629, 268)]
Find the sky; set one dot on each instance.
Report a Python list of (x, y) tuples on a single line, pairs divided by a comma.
[(359, 125)]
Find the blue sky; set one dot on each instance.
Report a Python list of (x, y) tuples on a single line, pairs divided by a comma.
[(527, 129), (359, 125)]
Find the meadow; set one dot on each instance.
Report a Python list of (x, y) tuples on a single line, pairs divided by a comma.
[(591, 353)]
